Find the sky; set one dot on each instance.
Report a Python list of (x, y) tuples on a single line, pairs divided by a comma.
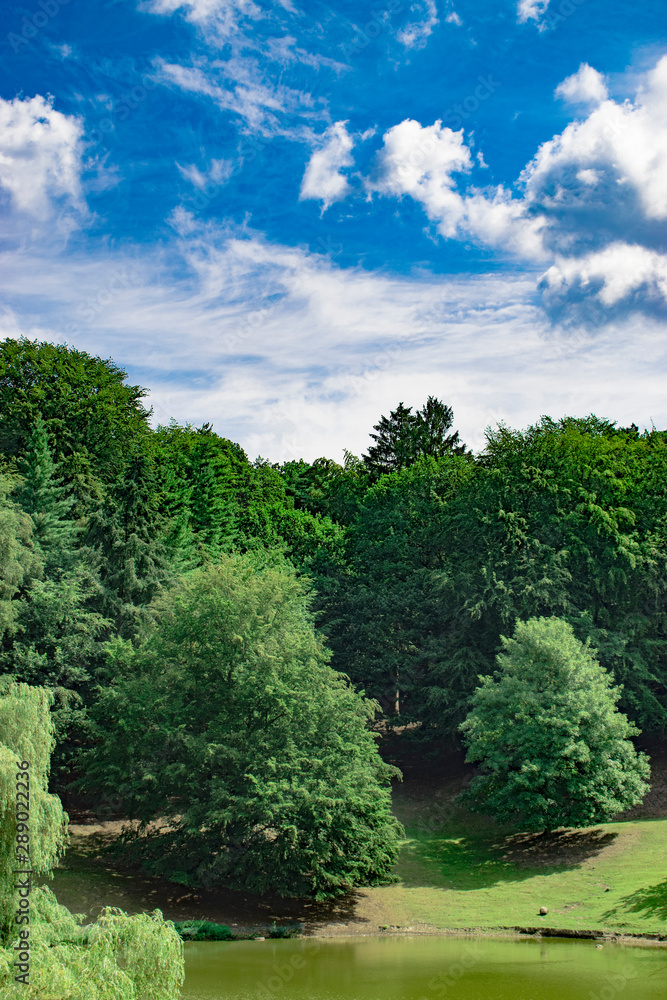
[(284, 217)]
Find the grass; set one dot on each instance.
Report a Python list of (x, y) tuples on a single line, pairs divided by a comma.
[(458, 870)]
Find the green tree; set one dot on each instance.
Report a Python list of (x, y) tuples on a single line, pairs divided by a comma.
[(116, 958), (43, 496), (56, 635), (553, 747), (228, 723), (92, 417), (125, 538), (404, 437), (26, 735), (20, 560), (386, 621)]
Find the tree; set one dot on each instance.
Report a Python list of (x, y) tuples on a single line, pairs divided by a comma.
[(118, 956), (20, 561), (125, 540), (553, 747), (386, 622), (228, 723), (43, 496), (92, 417), (404, 436), (26, 735)]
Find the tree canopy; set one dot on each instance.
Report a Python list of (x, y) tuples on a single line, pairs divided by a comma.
[(228, 722), (553, 747)]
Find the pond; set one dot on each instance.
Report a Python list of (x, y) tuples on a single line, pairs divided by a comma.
[(427, 968)]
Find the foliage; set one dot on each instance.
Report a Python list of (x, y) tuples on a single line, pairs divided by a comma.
[(20, 561), (26, 734), (91, 416), (554, 749), (119, 957), (404, 437), (385, 622), (42, 495), (227, 722), (203, 930), (127, 548), (131, 958)]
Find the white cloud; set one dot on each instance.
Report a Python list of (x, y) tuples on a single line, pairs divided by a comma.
[(600, 185), (323, 179), (613, 274), (531, 10), (295, 357), (586, 86), (225, 15), (453, 18), (420, 161), (242, 91), (40, 158), (416, 33), (218, 173)]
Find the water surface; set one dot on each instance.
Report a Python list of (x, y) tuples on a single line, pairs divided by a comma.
[(428, 968)]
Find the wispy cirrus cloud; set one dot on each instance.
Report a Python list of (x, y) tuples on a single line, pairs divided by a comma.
[(531, 10), (219, 324), (416, 33)]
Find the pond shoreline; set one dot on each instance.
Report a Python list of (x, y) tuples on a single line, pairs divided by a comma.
[(516, 933)]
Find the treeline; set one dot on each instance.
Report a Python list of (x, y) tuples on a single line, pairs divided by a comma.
[(419, 555)]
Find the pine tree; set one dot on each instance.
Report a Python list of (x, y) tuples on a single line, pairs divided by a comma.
[(126, 538), (43, 496)]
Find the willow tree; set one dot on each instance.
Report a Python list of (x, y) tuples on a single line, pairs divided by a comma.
[(26, 735), (118, 957)]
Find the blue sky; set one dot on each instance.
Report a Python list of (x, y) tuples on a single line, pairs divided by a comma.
[(284, 217)]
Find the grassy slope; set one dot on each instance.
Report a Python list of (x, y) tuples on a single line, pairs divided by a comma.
[(460, 870)]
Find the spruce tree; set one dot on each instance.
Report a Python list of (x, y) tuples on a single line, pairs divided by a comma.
[(126, 539), (43, 496)]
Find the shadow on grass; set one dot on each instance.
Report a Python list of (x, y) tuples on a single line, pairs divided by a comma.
[(651, 902), (468, 862), (88, 880)]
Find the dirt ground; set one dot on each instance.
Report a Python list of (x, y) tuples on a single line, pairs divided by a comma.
[(88, 878)]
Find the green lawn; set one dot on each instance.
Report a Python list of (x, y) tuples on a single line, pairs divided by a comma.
[(458, 870)]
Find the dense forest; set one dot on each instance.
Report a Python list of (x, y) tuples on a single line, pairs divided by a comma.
[(390, 579)]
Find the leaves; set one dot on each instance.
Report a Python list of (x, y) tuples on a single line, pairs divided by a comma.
[(553, 748)]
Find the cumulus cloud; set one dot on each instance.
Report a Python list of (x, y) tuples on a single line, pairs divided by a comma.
[(415, 34), (586, 86), (40, 158), (419, 161), (323, 179), (592, 202)]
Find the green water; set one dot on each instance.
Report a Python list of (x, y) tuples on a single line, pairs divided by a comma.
[(423, 969)]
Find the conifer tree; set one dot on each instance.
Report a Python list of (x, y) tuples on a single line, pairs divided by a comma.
[(126, 539), (43, 496)]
